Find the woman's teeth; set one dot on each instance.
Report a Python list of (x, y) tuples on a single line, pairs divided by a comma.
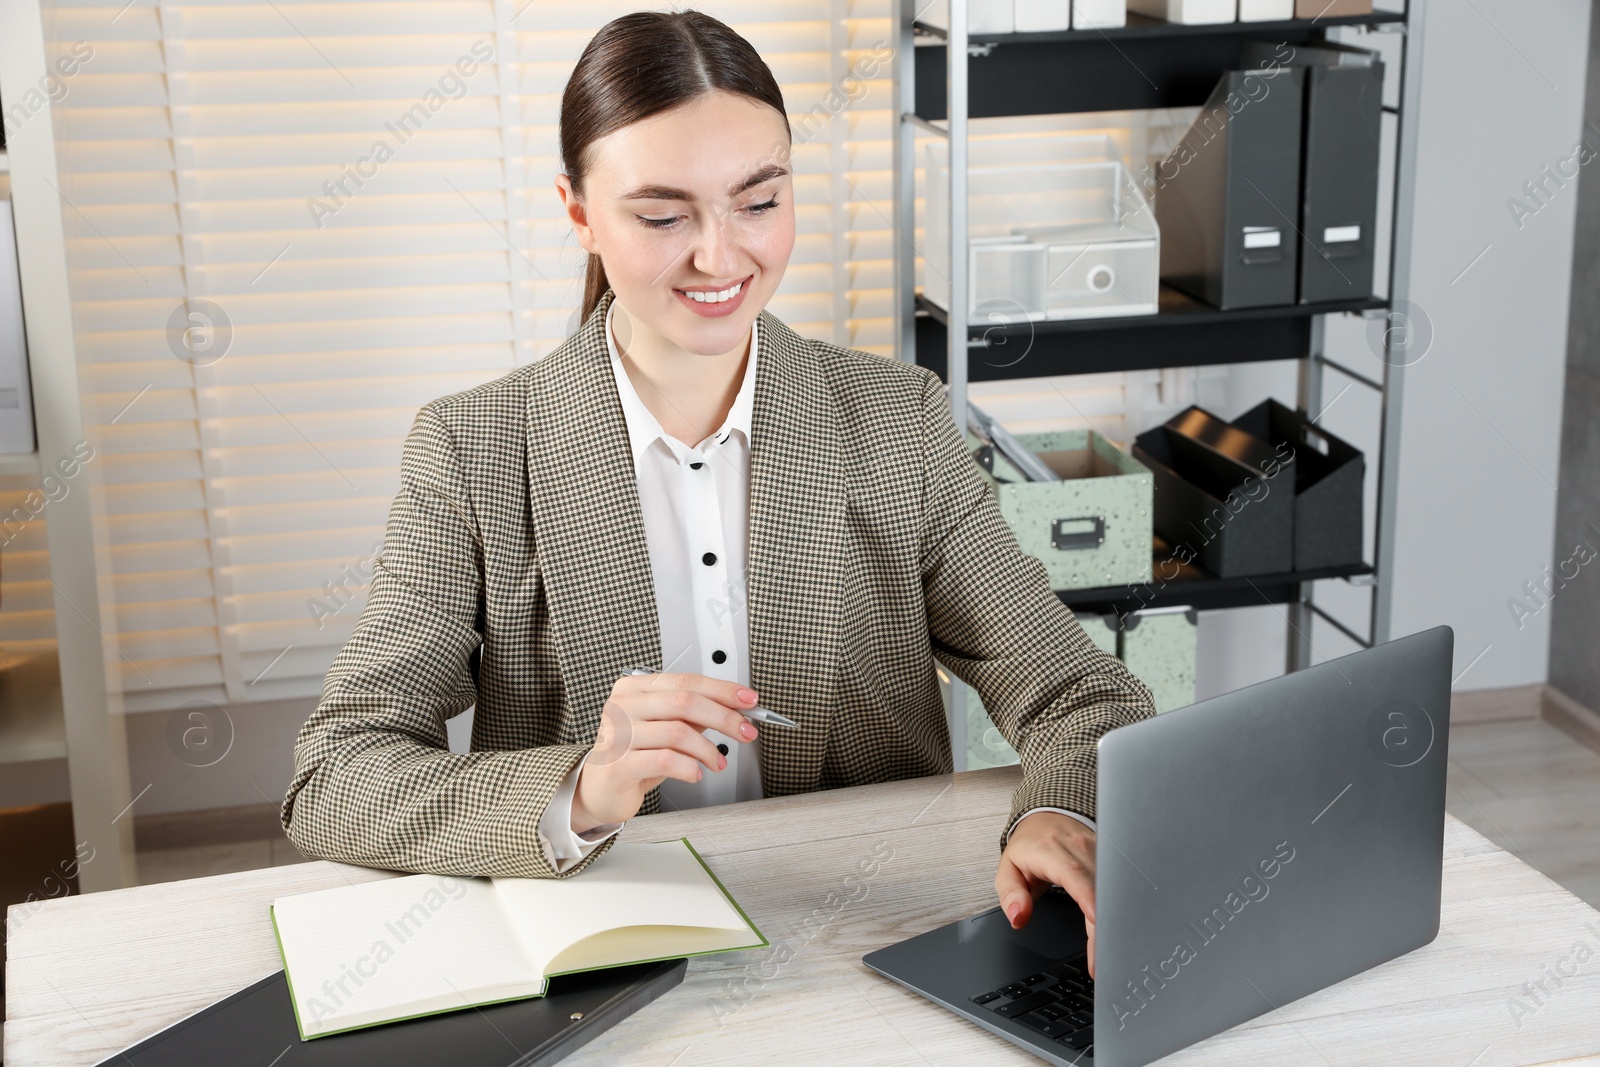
[(713, 298)]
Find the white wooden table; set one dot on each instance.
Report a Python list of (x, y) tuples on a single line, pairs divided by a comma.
[(90, 975)]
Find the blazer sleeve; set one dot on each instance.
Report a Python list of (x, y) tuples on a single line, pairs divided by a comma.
[(996, 623), (375, 783)]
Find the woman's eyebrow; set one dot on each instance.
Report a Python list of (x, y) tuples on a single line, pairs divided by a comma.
[(656, 192), (667, 192), (764, 174)]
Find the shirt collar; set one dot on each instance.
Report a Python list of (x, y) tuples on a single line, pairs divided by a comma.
[(644, 429)]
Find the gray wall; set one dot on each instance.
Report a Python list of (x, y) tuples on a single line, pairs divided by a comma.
[(1575, 605), (251, 763), (1503, 98)]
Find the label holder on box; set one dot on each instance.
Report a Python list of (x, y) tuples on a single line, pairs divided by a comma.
[(1075, 540)]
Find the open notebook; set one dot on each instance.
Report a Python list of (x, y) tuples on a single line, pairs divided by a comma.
[(379, 952)]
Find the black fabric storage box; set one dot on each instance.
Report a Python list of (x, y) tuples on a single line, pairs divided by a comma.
[(1327, 484), (1223, 498)]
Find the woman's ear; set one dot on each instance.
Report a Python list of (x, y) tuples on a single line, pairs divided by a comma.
[(576, 213)]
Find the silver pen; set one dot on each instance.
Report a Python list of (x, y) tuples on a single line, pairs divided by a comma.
[(754, 714)]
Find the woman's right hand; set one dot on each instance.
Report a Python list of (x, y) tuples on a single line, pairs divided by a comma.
[(649, 732)]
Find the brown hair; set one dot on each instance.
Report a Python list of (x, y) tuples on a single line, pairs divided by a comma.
[(640, 65)]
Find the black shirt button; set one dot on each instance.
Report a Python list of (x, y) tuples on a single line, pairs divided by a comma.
[(696, 466), (722, 748), (709, 558), (719, 656)]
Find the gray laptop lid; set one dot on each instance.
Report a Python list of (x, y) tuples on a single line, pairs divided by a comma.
[(1264, 844)]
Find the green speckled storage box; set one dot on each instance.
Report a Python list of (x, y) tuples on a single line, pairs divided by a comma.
[(1102, 630), (1158, 646), (1091, 529)]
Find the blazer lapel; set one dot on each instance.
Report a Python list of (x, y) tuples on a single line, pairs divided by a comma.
[(588, 526), (588, 529), (797, 530)]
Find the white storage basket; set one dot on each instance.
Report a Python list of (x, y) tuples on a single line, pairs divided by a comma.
[(1188, 11), (1099, 14), (1265, 10), (1047, 240), (1009, 279)]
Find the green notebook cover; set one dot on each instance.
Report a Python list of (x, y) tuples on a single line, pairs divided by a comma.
[(295, 1000)]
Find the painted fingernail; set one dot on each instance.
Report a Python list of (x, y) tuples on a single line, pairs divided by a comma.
[(748, 731), (722, 763), (747, 695)]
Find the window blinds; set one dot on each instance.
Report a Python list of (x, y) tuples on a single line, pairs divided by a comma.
[(291, 224)]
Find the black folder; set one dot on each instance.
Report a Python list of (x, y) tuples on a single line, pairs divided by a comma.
[(1228, 196), (1339, 166), (257, 1024)]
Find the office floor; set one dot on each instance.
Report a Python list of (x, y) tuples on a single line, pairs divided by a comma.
[(1524, 784), (1533, 791), (171, 864)]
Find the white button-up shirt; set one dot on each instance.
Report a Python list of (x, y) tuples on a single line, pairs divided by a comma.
[(696, 510)]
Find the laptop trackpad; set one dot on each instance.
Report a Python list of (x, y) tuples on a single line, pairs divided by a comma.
[(1054, 930), (983, 952)]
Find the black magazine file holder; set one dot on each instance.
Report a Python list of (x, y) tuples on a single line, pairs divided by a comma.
[(1222, 497), (1328, 503)]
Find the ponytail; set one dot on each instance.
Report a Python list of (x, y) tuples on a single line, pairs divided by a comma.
[(594, 286)]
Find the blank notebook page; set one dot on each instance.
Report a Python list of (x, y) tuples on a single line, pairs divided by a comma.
[(635, 884), (426, 940)]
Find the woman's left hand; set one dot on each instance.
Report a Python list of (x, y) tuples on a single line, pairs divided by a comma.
[(1047, 849)]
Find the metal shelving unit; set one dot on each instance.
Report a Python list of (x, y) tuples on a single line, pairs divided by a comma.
[(945, 76), (1142, 342)]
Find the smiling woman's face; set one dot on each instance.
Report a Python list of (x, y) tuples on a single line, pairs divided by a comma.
[(697, 199)]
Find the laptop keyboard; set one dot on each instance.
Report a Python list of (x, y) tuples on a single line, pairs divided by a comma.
[(1057, 1001)]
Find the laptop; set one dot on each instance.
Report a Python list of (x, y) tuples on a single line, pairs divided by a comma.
[(1252, 849)]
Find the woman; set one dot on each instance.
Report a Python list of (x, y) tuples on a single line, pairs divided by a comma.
[(685, 483)]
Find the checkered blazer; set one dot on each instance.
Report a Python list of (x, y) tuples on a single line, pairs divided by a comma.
[(514, 576)]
